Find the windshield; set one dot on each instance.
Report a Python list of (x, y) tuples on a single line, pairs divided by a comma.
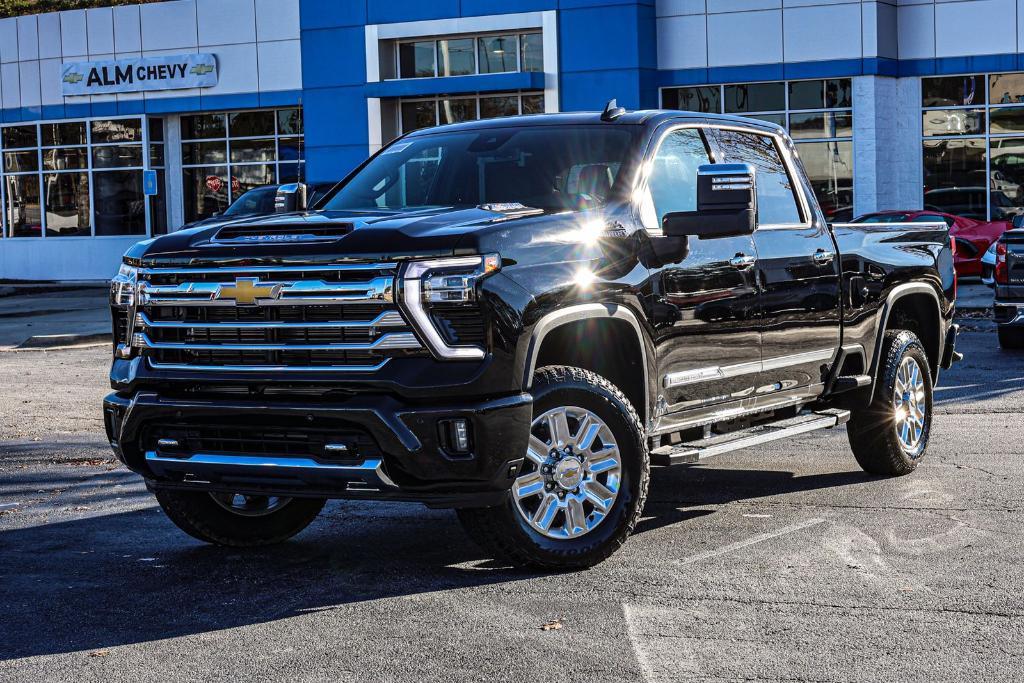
[(260, 200), (545, 167)]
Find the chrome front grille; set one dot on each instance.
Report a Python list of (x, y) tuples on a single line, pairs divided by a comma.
[(289, 318)]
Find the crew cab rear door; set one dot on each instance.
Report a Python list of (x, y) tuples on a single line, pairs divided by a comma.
[(798, 266)]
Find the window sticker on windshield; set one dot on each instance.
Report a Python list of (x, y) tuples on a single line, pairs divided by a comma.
[(397, 147)]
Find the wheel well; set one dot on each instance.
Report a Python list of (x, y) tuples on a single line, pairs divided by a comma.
[(606, 346), (918, 313)]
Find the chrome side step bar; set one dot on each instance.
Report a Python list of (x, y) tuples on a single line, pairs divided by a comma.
[(368, 475), (695, 451)]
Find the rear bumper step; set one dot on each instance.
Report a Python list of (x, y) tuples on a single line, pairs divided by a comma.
[(695, 451)]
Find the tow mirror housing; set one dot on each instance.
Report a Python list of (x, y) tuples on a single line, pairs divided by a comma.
[(290, 197), (726, 204)]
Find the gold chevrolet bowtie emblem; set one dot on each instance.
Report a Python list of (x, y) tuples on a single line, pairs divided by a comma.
[(247, 291), (72, 77), (201, 69)]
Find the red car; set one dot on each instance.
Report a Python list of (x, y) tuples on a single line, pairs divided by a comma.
[(972, 237)]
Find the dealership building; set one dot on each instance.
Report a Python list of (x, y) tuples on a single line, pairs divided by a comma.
[(123, 123)]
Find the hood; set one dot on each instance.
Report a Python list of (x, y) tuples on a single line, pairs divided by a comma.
[(314, 236)]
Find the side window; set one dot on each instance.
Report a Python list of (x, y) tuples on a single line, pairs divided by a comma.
[(776, 199), (672, 182)]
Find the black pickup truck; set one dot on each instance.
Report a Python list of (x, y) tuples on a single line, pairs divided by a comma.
[(517, 318), (1008, 281)]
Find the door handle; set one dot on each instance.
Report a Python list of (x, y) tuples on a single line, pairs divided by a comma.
[(741, 261), (823, 258)]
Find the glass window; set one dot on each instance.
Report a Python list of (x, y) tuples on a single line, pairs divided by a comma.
[(754, 97), (258, 201), (1006, 89), (673, 178), (531, 46), (821, 125), (158, 205), (248, 124), (247, 177), (497, 54), (493, 107), (418, 114), (120, 207), (204, 152), (777, 119), (416, 60), (19, 136), (456, 57), (203, 126), (67, 204), (704, 99), (253, 150), (1006, 177), (63, 133), (952, 91), (205, 191), (1006, 120), (289, 149), (953, 122), (829, 167), (806, 94), (22, 206), (954, 177), (533, 104), (119, 130), (289, 122), (838, 93), (65, 158), (454, 111), (776, 201), (156, 129), (116, 156), (19, 162), (156, 155)]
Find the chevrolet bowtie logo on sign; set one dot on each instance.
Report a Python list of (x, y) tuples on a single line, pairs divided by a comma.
[(247, 291), (139, 74)]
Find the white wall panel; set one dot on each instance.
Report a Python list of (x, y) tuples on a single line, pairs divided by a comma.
[(127, 29), (100, 28), (28, 38), (9, 40), (671, 8), (235, 68), (745, 38), (975, 28), (49, 81), (280, 65), (28, 82), (682, 42), (916, 31), (807, 40), (169, 25), (49, 35), (11, 95), (74, 38), (226, 22), (723, 6)]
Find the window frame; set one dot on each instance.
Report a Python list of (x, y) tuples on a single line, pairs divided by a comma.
[(516, 33), (438, 99)]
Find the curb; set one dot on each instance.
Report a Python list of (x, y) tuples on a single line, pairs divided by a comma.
[(53, 341)]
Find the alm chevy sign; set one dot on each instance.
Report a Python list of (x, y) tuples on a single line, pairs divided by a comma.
[(139, 74)]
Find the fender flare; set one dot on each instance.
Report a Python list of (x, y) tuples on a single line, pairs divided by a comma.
[(899, 292), (591, 311)]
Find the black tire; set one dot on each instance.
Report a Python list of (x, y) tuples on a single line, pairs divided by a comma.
[(1011, 338), (503, 533), (200, 516), (872, 430)]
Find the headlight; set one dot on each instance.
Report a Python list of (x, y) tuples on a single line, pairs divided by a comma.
[(123, 290), (122, 287), (429, 287)]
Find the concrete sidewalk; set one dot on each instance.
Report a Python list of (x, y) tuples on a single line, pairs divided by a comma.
[(50, 319)]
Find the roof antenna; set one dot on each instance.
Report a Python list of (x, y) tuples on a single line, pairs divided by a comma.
[(612, 111)]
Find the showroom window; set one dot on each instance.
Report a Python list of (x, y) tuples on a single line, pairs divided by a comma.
[(973, 144), (77, 178), (817, 113), (432, 111), (225, 154), (469, 55)]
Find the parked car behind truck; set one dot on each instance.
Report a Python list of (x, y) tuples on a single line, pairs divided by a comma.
[(517, 318), (1008, 279)]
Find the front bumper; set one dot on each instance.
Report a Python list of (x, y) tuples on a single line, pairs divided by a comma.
[(402, 457)]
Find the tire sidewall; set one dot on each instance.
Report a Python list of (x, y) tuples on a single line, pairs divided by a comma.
[(906, 344)]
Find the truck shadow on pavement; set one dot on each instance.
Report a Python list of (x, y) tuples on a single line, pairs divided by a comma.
[(128, 577)]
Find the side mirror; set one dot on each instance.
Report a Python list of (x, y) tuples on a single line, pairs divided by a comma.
[(290, 197), (726, 204)]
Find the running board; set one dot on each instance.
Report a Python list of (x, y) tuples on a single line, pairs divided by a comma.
[(695, 451)]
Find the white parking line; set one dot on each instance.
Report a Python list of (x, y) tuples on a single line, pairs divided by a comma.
[(646, 671), (751, 541)]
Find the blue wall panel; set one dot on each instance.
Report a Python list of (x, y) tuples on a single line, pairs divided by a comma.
[(387, 11), (331, 13), (333, 57), (335, 116), (474, 8), (324, 164)]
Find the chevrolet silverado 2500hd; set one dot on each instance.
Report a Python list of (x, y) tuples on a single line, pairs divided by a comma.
[(517, 318)]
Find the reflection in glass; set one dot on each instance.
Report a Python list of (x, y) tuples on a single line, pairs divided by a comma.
[(156, 155), (15, 162), (119, 130), (704, 99), (200, 126), (673, 179), (416, 60), (777, 119), (1006, 120), (158, 206), (456, 57), (952, 91), (776, 201), (497, 54), (120, 205), (289, 122), (954, 177), (829, 167), (252, 150), (19, 136), (289, 149), (156, 129), (806, 94), (117, 156), (246, 124), (453, 111), (754, 97), (203, 152), (244, 178), (1006, 88), (953, 122), (838, 93), (205, 191), (21, 206), (416, 115), (65, 159), (67, 204), (532, 51), (492, 107), (533, 104), (290, 173), (821, 125), (1006, 178), (72, 133)]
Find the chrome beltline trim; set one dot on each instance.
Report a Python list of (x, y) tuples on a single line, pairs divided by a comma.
[(714, 372)]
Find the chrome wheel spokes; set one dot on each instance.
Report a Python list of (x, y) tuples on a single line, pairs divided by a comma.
[(909, 404), (249, 506), (571, 475)]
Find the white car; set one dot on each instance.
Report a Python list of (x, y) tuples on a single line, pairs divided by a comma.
[(988, 265)]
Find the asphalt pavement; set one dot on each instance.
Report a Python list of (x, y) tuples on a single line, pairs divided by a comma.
[(780, 563)]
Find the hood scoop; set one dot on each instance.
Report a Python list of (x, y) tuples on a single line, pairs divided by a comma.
[(281, 234)]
